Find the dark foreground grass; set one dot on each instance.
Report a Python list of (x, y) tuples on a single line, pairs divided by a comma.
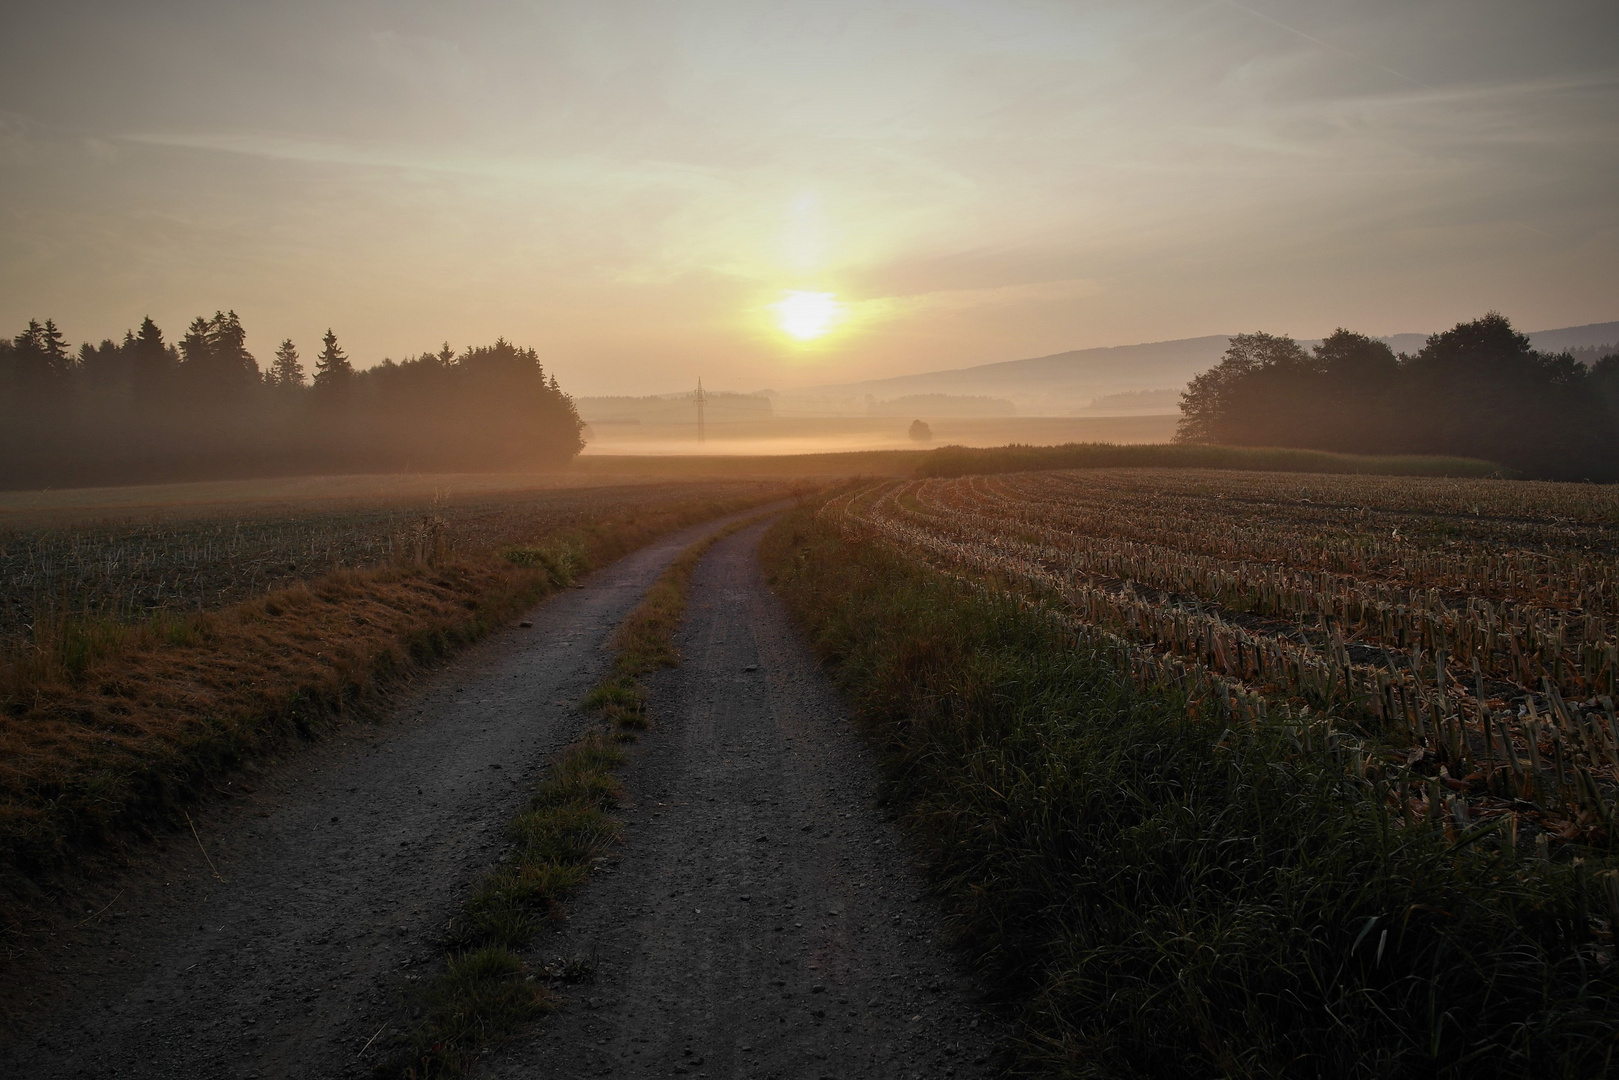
[(485, 992), (1170, 898), (964, 461)]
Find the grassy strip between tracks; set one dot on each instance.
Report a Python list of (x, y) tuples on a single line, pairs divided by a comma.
[(964, 461), (486, 992), (1167, 897), (162, 714)]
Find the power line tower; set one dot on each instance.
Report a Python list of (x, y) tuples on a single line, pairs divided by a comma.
[(700, 398)]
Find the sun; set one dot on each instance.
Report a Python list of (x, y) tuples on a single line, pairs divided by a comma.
[(807, 315)]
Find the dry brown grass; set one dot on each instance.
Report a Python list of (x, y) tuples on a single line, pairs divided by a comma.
[(164, 710)]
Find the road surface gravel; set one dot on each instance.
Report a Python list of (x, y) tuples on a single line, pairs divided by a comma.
[(341, 869), (764, 917)]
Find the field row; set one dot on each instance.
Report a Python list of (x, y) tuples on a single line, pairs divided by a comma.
[(1482, 647), (124, 571)]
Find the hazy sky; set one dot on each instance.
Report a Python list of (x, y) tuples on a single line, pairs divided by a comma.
[(628, 187)]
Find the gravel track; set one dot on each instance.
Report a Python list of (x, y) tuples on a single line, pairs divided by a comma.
[(763, 917), (341, 869)]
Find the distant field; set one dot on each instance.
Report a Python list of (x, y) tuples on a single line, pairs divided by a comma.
[(125, 553), (962, 460), (790, 435), (393, 489)]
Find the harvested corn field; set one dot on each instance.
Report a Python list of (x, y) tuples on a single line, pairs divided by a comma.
[(116, 714), (1456, 640), (129, 564)]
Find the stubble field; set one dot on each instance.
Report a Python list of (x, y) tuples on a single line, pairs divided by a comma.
[(1460, 633), (1245, 773)]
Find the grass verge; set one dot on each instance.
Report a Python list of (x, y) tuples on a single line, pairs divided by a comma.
[(1169, 897), (107, 734), (949, 461), (486, 992)]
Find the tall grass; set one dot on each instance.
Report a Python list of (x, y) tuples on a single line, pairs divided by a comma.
[(1169, 897), (963, 461)]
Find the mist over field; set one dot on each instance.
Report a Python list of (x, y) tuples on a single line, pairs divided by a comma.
[(760, 538), (795, 198)]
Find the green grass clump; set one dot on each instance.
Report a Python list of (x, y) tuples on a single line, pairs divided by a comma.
[(483, 995), (1168, 897), (621, 701), (562, 560), (964, 461), (484, 992)]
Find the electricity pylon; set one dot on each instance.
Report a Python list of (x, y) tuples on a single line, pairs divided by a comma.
[(699, 397)]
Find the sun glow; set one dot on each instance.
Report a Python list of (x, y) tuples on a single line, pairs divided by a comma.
[(807, 315)]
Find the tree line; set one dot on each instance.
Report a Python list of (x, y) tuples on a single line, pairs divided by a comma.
[(1477, 390), (144, 409)]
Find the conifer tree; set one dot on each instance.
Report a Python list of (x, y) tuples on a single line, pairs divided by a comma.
[(54, 347), (229, 345), (332, 367), (152, 361), (195, 350), (286, 372)]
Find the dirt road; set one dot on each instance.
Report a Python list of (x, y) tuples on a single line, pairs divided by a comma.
[(341, 869), (762, 918)]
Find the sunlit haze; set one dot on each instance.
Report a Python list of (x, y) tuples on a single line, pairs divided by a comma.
[(806, 315), (779, 195)]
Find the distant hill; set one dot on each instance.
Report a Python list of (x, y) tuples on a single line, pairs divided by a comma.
[(1056, 385), (936, 405), (1066, 384), (1590, 336)]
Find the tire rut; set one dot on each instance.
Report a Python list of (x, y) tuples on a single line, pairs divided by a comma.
[(764, 917), (341, 870)]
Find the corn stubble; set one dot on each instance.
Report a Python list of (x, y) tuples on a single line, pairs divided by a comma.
[(1463, 631), (1202, 763)]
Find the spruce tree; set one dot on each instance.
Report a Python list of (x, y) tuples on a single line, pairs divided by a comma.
[(229, 345), (286, 372), (54, 347), (152, 362), (332, 367)]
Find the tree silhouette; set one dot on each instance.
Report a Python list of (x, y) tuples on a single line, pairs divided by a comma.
[(215, 362), (142, 410), (286, 372), (53, 347), (332, 367), (1476, 390), (152, 363)]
